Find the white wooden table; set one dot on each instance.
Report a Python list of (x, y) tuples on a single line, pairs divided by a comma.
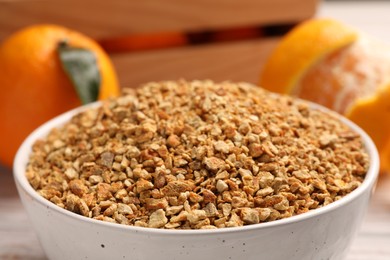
[(18, 240)]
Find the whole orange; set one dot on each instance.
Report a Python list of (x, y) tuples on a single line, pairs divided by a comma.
[(34, 86)]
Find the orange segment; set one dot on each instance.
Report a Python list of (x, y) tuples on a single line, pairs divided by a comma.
[(373, 115), (300, 49), (385, 157)]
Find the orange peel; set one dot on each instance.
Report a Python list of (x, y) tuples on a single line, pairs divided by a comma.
[(302, 47)]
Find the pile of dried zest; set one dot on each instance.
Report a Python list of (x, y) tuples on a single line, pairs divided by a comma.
[(192, 155)]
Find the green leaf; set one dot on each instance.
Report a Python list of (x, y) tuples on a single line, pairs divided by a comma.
[(81, 67)]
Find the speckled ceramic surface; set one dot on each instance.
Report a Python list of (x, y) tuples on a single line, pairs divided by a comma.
[(323, 233)]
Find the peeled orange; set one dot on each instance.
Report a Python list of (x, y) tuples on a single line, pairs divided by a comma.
[(300, 49), (36, 85), (327, 62)]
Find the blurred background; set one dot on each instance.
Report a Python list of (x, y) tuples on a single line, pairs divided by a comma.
[(144, 37), (156, 40)]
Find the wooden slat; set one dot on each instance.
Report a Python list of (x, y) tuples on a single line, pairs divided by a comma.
[(102, 18), (237, 61)]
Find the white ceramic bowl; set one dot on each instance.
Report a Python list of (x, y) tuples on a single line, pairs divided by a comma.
[(324, 233)]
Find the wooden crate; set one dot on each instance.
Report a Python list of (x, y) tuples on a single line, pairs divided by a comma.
[(102, 20)]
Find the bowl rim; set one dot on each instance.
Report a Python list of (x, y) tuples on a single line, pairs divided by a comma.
[(24, 151)]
